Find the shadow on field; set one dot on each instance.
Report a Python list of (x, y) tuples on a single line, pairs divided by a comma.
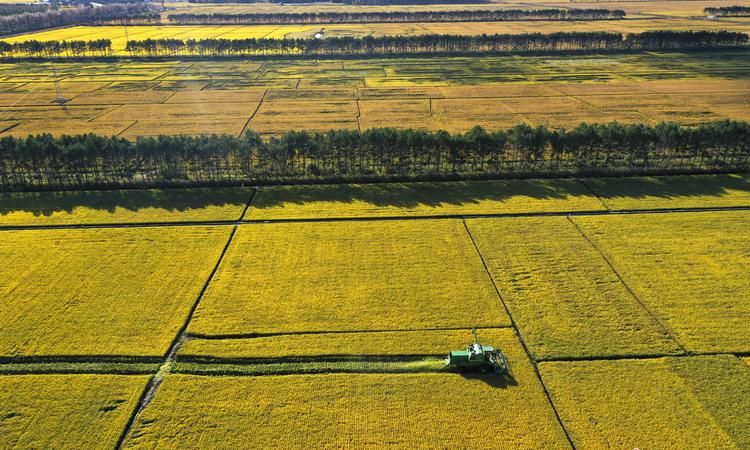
[(434, 194), (396, 195), (492, 379), (182, 199)]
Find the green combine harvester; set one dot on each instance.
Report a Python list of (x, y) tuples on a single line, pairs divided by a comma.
[(478, 357)]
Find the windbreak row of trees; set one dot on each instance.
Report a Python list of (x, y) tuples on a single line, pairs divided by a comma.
[(395, 16), (8, 9), (427, 44), (21, 23), (49, 49), (728, 11), (360, 2), (90, 160)]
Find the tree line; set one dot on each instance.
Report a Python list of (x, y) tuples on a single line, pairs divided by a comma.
[(436, 44), (21, 23), (9, 9), (728, 11), (44, 161), (56, 49), (361, 2), (395, 16)]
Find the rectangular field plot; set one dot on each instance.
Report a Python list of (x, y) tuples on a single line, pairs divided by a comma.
[(692, 191), (381, 343), (126, 206), (565, 299), (348, 276), (690, 269), (421, 199), (66, 412), (111, 292), (427, 410), (666, 403)]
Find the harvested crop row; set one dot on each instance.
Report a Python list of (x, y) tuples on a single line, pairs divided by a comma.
[(348, 276), (564, 297), (385, 343), (690, 269), (358, 411), (66, 412), (130, 206), (101, 291), (694, 402), (414, 199)]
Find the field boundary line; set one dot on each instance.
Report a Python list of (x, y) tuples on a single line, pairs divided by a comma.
[(208, 223), (116, 107), (249, 202), (532, 360), (257, 108), (626, 286), (10, 127), (594, 193), (155, 381), (127, 128)]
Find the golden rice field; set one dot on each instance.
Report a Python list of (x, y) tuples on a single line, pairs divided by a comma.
[(131, 99), (336, 328), (498, 197), (382, 343), (119, 35), (696, 402), (672, 192), (360, 410), (689, 269), (126, 206), (66, 412), (664, 9), (421, 199), (564, 297), (118, 292), (348, 276)]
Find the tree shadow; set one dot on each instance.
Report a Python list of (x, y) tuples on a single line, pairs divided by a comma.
[(172, 200), (400, 195), (464, 193)]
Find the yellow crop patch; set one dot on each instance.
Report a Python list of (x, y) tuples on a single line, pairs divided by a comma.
[(691, 191), (694, 402), (126, 206), (353, 411), (346, 276), (66, 412), (689, 268), (421, 199), (101, 291), (386, 343), (565, 299)]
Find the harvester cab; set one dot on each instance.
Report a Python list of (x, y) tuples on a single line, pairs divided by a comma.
[(478, 357)]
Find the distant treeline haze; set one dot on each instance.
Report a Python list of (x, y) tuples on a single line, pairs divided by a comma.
[(396, 16), (360, 2), (91, 160), (728, 11), (130, 13)]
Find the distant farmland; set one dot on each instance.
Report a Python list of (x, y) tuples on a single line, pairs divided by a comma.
[(132, 99)]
